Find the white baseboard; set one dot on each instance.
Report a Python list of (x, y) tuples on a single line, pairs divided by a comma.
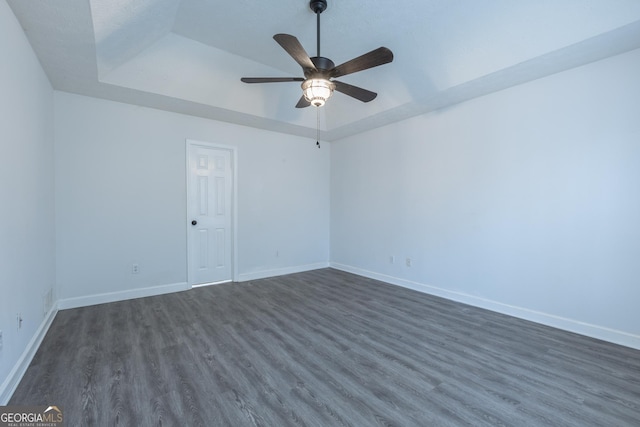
[(281, 271), (594, 331), (84, 301), (15, 376)]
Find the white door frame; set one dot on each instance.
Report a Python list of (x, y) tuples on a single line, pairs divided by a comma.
[(234, 204)]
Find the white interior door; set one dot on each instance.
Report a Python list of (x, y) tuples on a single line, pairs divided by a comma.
[(210, 184)]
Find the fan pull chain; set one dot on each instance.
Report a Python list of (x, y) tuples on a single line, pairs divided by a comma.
[(318, 127)]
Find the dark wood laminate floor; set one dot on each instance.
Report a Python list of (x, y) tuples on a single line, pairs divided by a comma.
[(323, 348)]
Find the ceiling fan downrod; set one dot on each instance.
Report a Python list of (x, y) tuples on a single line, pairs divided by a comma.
[(318, 6)]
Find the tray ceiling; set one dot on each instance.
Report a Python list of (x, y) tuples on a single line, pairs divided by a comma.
[(187, 56)]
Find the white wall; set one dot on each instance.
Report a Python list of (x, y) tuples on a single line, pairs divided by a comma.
[(526, 201), (27, 260), (121, 198)]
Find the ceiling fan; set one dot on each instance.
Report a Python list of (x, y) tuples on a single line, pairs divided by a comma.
[(318, 71)]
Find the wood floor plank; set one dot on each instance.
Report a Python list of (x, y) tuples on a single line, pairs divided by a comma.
[(323, 348)]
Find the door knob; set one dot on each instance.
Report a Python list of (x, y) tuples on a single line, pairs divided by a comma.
[(194, 222)]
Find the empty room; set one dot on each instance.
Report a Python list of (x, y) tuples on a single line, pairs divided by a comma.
[(320, 213)]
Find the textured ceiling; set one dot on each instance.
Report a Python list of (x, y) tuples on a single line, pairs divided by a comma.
[(188, 56)]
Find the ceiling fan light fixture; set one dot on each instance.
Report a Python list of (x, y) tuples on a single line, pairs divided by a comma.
[(317, 91)]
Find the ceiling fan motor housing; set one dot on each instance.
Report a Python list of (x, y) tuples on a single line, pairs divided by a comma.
[(323, 66)]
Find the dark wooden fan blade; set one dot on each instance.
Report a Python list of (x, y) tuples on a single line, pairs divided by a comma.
[(271, 79), (295, 49), (355, 91), (376, 57), (302, 102)]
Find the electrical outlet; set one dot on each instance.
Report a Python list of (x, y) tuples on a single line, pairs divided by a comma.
[(135, 269), (409, 262)]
